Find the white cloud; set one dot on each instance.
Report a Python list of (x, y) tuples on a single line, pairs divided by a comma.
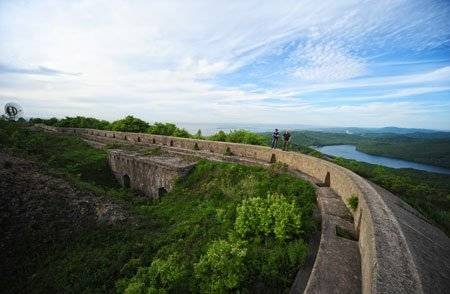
[(440, 76), (326, 63), (164, 59)]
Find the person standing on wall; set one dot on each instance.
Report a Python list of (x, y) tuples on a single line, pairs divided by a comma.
[(287, 138), (275, 136)]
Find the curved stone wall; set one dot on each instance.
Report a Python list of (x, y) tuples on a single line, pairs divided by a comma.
[(390, 263)]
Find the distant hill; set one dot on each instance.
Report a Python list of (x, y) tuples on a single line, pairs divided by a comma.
[(385, 130), (423, 147)]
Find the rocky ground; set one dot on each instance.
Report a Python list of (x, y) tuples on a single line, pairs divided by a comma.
[(38, 211)]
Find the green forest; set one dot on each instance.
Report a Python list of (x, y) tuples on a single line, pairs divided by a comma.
[(422, 149), (203, 236), (136, 125)]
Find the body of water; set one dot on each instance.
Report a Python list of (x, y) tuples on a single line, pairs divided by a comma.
[(350, 152)]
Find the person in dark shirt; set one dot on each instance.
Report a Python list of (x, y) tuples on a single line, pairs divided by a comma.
[(275, 136), (287, 138)]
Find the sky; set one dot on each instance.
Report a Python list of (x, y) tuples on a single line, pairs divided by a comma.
[(322, 63)]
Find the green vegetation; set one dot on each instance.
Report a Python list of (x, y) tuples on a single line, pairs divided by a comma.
[(220, 269), (153, 151), (168, 129), (429, 151), (429, 193), (50, 122), (206, 214), (192, 240), (127, 124), (422, 149), (136, 125), (62, 154), (239, 136), (83, 122), (352, 202), (271, 216), (130, 124), (426, 192)]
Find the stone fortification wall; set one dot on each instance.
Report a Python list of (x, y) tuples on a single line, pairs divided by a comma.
[(390, 261), (153, 175)]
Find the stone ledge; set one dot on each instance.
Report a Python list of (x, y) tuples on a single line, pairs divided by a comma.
[(153, 175), (337, 265)]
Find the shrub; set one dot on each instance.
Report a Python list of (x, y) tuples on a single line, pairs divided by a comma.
[(278, 168), (262, 217), (161, 276), (286, 217), (199, 135), (51, 122), (164, 274), (280, 261), (239, 136), (222, 267), (246, 137), (84, 122), (167, 129), (130, 124), (353, 202), (219, 136)]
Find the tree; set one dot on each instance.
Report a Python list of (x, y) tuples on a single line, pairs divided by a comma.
[(198, 135), (84, 122), (130, 124), (239, 136), (219, 136), (51, 122), (167, 129)]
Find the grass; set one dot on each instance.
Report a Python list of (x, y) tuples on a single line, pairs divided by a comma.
[(202, 209), (173, 240), (153, 151), (352, 202)]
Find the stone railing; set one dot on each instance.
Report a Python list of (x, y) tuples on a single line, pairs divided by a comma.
[(394, 258)]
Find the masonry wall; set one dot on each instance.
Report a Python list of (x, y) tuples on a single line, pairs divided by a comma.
[(389, 265), (144, 174)]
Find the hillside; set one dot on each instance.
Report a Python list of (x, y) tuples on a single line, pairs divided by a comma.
[(431, 149), (41, 214), (201, 237)]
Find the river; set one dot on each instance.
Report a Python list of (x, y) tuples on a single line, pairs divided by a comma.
[(350, 152)]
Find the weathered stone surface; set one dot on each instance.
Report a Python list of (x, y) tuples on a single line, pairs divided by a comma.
[(429, 247), (332, 204), (153, 175), (337, 265)]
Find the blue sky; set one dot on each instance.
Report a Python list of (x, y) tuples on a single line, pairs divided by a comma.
[(325, 63)]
